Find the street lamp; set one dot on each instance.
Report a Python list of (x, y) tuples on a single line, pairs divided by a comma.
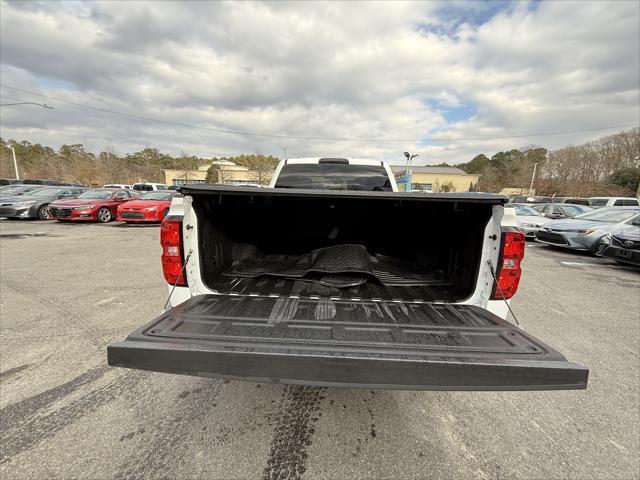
[(407, 174), (43, 105), (533, 176), (15, 162)]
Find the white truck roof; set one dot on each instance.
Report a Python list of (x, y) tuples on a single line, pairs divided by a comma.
[(354, 161)]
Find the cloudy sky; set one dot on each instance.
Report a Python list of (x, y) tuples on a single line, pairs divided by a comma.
[(444, 80)]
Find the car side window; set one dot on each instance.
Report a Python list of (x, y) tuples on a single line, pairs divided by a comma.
[(618, 203), (121, 195)]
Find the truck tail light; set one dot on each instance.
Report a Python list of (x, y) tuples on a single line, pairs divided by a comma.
[(508, 271), (172, 251)]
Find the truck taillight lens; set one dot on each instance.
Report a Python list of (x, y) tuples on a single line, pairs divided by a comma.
[(508, 274), (172, 255)]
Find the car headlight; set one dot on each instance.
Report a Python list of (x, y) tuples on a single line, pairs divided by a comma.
[(24, 204), (587, 231), (83, 207), (606, 239), (531, 225), (152, 209)]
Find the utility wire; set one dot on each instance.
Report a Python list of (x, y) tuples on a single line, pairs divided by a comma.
[(320, 139), (43, 105)]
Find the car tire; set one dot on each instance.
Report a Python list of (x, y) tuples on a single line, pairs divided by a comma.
[(43, 213), (104, 215)]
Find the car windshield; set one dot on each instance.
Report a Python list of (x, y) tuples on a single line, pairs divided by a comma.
[(522, 210), (577, 201), (609, 215), (575, 209), (16, 189), (158, 195), (97, 194), (332, 176), (46, 192)]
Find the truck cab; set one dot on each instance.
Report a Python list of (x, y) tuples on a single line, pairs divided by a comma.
[(317, 281), (334, 174)]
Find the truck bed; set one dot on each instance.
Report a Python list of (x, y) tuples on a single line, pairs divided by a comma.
[(298, 235)]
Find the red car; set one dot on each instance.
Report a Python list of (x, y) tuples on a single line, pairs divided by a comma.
[(99, 204), (149, 207)]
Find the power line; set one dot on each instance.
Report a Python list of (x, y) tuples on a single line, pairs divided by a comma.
[(43, 105), (319, 139)]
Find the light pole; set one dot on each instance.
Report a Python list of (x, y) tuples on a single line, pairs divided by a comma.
[(15, 162), (43, 105), (13, 152), (533, 175), (533, 178), (407, 173)]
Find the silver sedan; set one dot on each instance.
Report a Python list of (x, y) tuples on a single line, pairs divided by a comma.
[(585, 231)]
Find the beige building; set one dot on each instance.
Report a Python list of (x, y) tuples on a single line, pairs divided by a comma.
[(437, 179), (228, 171), (515, 191)]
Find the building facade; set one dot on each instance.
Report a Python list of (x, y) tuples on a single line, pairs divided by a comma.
[(436, 179), (228, 172)]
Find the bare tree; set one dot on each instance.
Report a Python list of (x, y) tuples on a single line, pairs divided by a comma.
[(218, 173)]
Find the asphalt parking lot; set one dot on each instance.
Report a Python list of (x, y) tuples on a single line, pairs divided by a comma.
[(69, 290)]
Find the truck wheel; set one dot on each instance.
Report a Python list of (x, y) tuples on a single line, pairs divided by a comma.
[(43, 213), (104, 215)]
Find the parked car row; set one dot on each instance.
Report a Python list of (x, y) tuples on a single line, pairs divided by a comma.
[(530, 217), (140, 187), (612, 232), (609, 231), (593, 202), (83, 204), (28, 203), (35, 181)]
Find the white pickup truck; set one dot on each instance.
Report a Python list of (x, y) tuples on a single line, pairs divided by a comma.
[(332, 277)]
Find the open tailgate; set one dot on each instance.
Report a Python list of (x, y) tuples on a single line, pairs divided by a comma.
[(351, 343)]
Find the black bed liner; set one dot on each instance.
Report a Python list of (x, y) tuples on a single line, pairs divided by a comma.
[(274, 286), (322, 341), (335, 265)]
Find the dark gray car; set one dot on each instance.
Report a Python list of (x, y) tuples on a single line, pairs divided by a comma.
[(622, 245), (35, 203), (560, 210)]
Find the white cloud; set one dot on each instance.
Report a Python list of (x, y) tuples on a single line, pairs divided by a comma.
[(353, 70)]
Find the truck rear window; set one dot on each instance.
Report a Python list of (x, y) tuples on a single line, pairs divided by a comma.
[(331, 176)]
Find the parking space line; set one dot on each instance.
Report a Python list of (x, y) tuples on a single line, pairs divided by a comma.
[(586, 264)]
